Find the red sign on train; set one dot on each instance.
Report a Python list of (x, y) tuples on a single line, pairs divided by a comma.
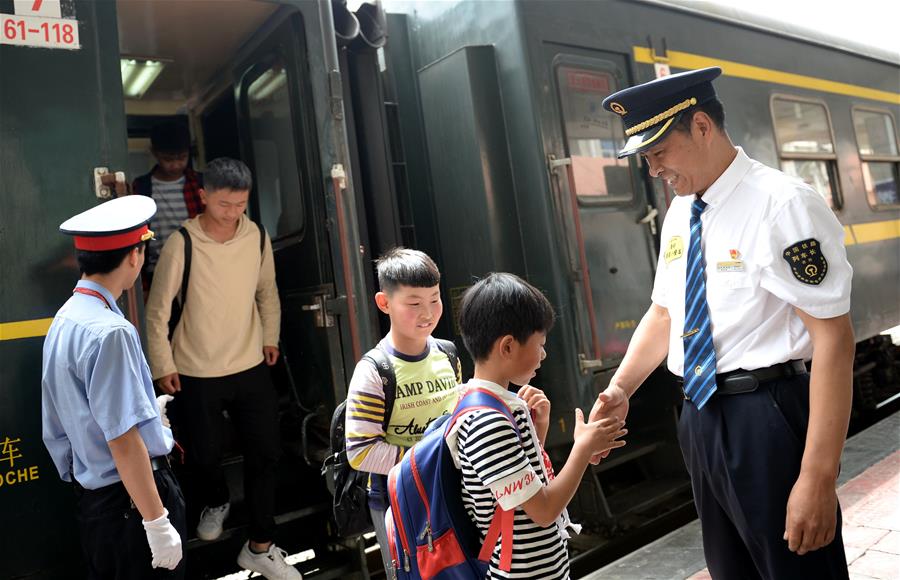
[(587, 82)]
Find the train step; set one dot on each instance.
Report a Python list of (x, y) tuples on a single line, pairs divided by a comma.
[(624, 456)]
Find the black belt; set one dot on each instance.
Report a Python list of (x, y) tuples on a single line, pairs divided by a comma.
[(156, 463), (740, 381), (160, 462)]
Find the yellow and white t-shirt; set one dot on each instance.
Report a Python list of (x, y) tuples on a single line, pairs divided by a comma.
[(426, 389)]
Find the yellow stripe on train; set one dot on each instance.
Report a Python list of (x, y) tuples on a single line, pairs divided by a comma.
[(25, 328), (690, 61), (854, 234)]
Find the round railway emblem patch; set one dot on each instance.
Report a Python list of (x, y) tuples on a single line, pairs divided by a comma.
[(617, 108), (806, 260)]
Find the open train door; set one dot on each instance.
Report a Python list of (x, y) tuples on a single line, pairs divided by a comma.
[(279, 143), (61, 116)]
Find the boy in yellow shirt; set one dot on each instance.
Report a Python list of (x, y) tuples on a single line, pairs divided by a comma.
[(425, 379)]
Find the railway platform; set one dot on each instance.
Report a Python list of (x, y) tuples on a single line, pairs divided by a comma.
[(869, 492)]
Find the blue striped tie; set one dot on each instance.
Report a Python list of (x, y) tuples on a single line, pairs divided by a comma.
[(699, 352)]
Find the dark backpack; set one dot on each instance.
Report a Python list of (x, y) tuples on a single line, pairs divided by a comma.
[(180, 299), (349, 486)]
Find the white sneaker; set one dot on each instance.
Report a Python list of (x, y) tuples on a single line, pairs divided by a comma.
[(211, 521), (271, 564)]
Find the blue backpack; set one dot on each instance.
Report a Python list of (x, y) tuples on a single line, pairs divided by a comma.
[(430, 535)]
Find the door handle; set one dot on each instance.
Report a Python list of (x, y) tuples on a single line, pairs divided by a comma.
[(109, 185), (650, 218), (553, 163), (322, 318), (589, 364)]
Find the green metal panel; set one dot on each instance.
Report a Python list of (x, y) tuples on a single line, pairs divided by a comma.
[(437, 29), (469, 161), (61, 115)]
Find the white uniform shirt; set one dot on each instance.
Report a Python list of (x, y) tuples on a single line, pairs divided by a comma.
[(755, 215)]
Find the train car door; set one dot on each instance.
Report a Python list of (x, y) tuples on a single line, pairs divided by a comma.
[(61, 116), (278, 142), (608, 215)]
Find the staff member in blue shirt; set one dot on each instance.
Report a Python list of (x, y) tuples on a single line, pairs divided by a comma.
[(101, 422)]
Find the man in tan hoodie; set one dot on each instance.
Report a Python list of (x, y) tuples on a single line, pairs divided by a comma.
[(218, 353)]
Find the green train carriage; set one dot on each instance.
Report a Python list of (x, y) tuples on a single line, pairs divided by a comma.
[(473, 133)]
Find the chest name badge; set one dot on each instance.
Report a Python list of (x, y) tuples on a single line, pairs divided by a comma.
[(806, 260), (730, 266), (674, 249)]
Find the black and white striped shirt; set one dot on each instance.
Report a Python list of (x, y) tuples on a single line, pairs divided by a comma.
[(498, 467), (171, 211)]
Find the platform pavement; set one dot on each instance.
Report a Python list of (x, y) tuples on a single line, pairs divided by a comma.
[(869, 491)]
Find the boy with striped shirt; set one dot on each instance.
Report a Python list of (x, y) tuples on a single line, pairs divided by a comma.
[(174, 186), (504, 323), (426, 381)]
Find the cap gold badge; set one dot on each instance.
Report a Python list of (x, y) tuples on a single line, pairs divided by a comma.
[(617, 108)]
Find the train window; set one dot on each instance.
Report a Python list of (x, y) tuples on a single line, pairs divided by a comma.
[(277, 176), (593, 135), (877, 142), (806, 144)]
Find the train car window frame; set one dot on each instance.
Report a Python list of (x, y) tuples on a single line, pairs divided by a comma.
[(829, 159), (279, 52), (591, 65), (867, 158)]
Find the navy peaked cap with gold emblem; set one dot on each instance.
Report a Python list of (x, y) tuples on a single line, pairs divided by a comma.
[(118, 223), (649, 111)]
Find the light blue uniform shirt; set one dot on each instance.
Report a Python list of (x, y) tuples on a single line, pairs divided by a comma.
[(95, 386)]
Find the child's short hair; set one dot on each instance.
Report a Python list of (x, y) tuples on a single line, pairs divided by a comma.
[(404, 267), (498, 305), (170, 137), (227, 173)]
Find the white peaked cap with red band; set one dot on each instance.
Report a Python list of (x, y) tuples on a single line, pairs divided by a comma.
[(118, 223)]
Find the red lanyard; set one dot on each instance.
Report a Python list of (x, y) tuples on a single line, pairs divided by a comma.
[(93, 293)]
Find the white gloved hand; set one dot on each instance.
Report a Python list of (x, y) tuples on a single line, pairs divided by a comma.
[(161, 402), (165, 543)]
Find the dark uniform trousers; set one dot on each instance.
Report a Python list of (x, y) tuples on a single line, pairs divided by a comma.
[(112, 535), (252, 404), (743, 452)]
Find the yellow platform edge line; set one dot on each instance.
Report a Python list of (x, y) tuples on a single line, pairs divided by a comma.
[(849, 240), (690, 61), (25, 328)]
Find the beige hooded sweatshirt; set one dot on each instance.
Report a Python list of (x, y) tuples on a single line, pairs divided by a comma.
[(232, 307)]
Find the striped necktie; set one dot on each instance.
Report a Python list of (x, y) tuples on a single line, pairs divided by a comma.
[(699, 352)]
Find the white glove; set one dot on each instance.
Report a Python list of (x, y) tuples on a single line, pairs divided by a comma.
[(161, 402), (165, 543)]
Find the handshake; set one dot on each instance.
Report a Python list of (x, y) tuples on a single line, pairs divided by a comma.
[(606, 424)]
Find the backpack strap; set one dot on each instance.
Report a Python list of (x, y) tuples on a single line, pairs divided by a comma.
[(186, 274), (448, 347), (501, 528), (476, 398), (379, 359), (262, 241)]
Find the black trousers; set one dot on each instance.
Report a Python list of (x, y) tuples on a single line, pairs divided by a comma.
[(112, 536), (743, 453), (252, 403)]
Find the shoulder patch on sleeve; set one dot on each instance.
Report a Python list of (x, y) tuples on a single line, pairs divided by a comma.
[(807, 262)]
